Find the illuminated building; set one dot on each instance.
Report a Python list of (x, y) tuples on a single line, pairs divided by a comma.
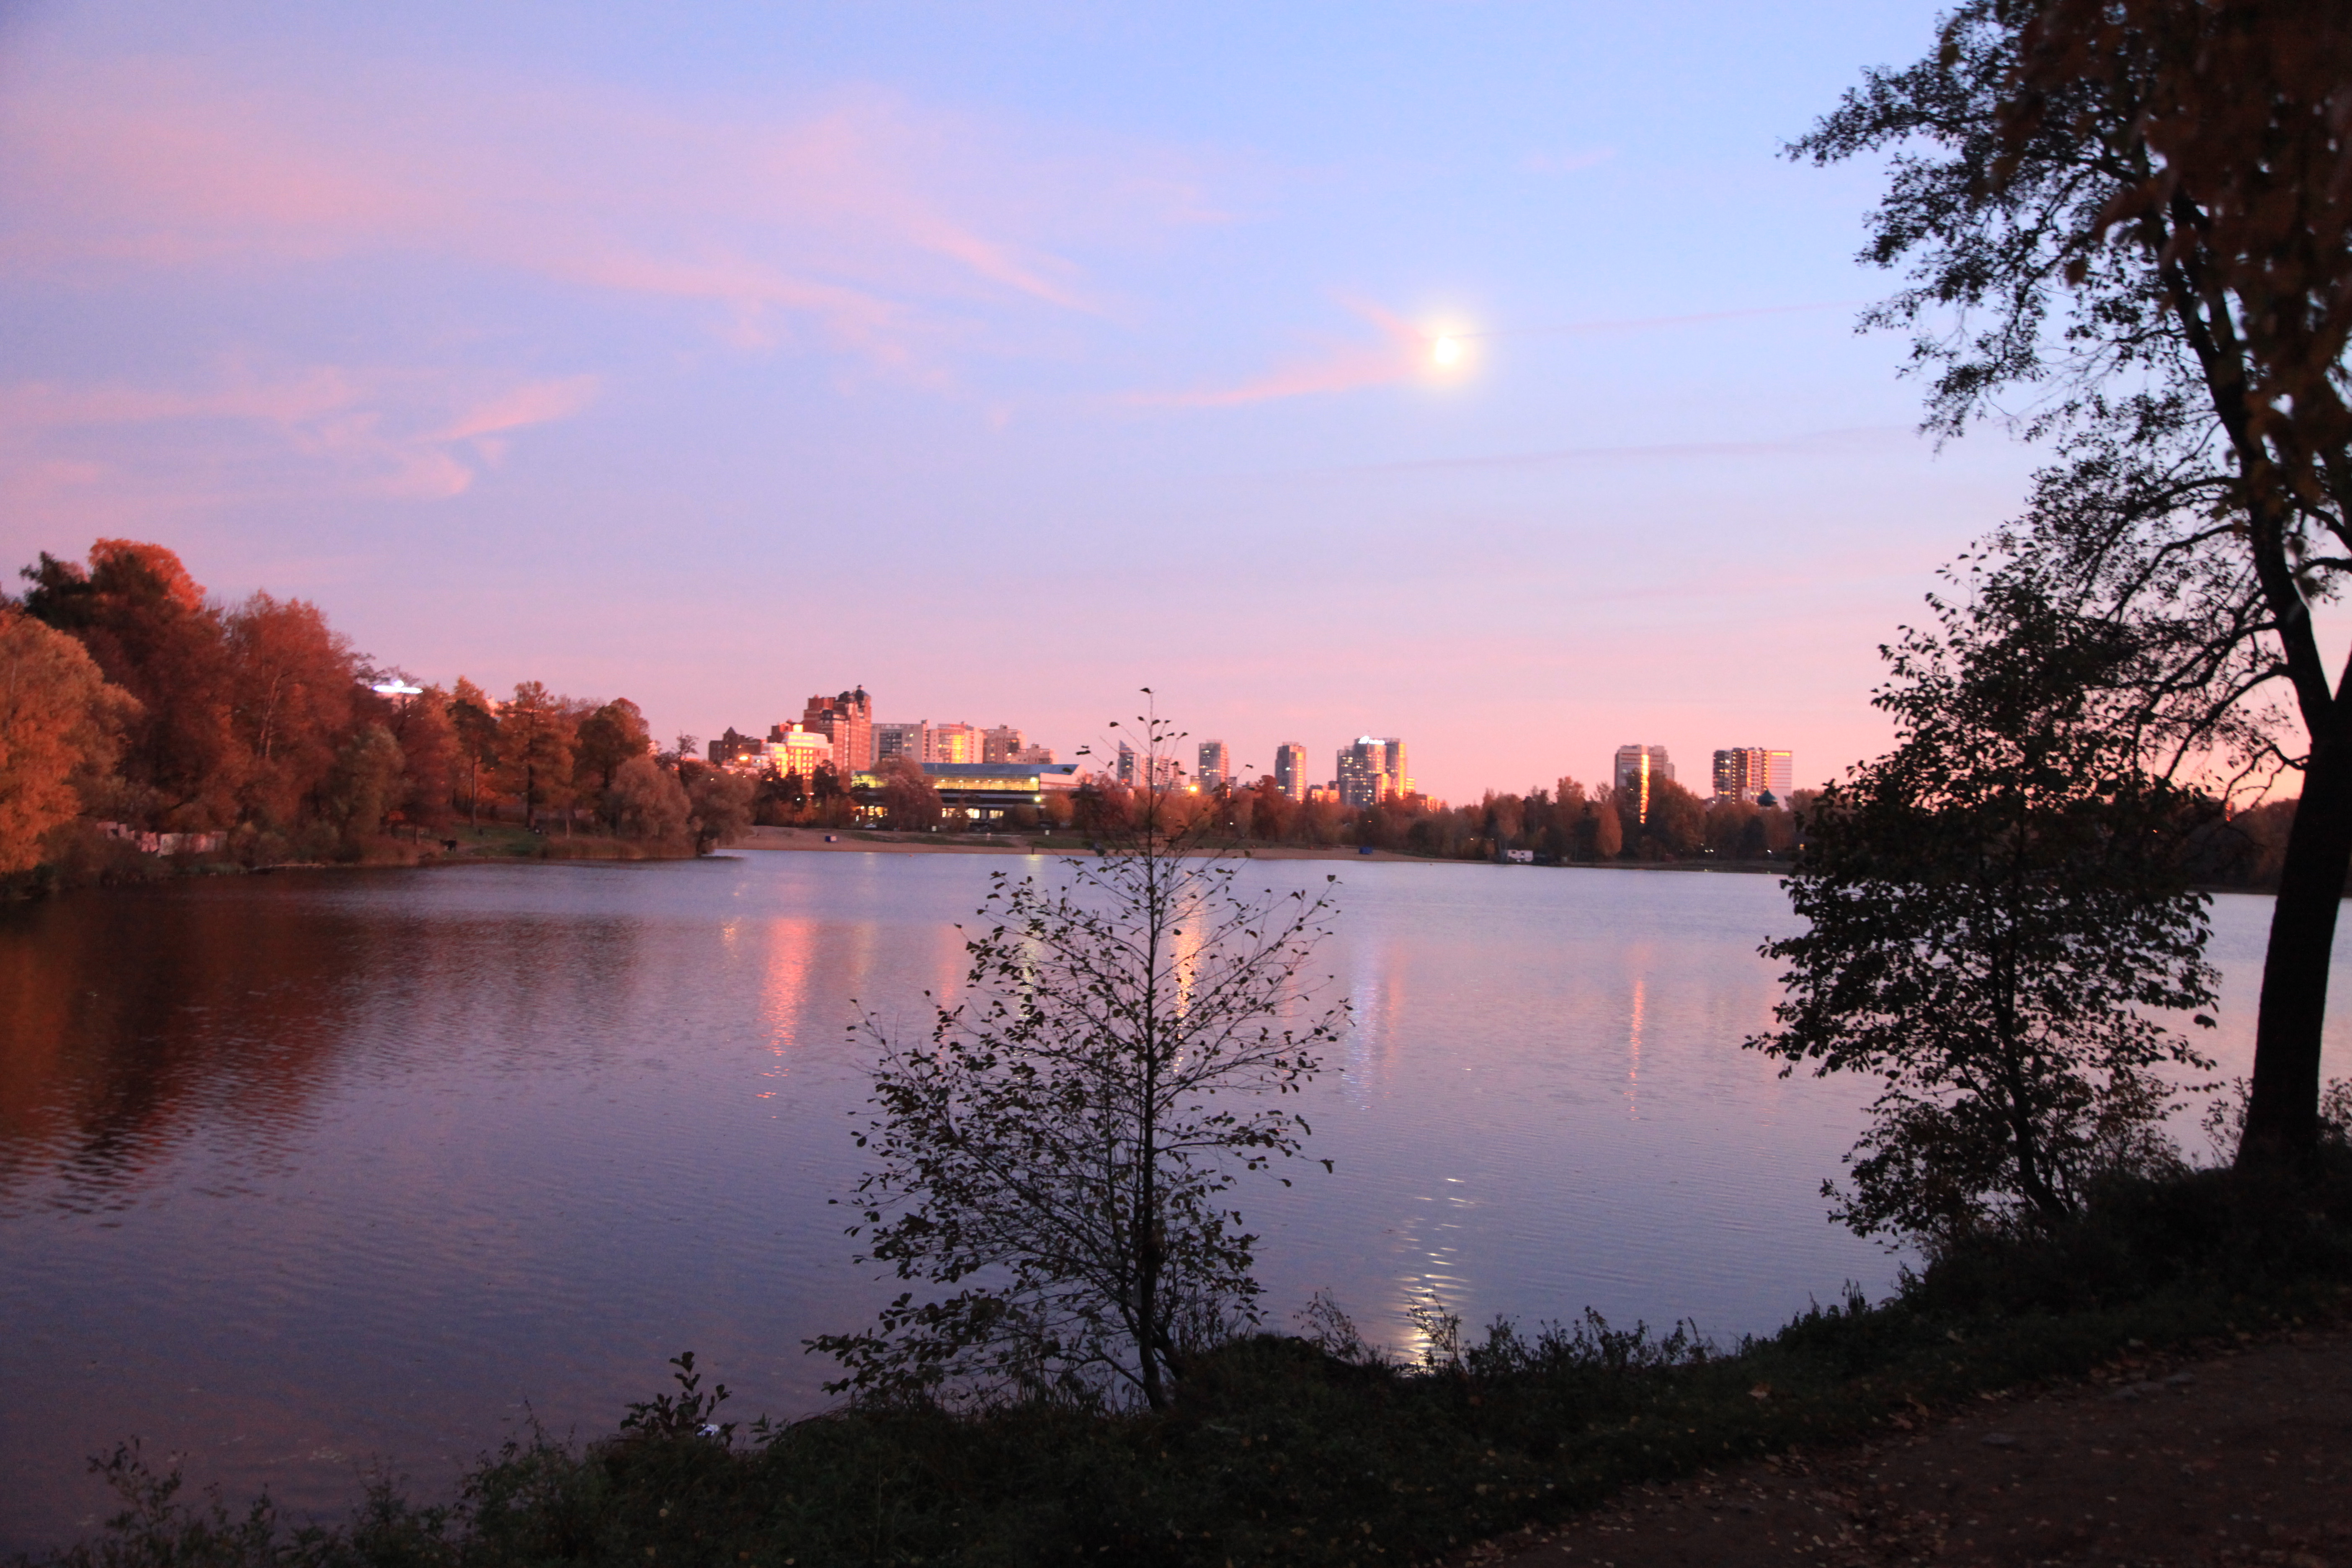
[(796, 749), (1363, 770), (1002, 744), (1290, 769), (1372, 769), (958, 743), (1216, 765), (847, 720), (1746, 772), (978, 792), (1636, 767)]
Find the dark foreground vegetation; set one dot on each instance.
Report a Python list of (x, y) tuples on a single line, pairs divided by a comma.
[(1313, 1450)]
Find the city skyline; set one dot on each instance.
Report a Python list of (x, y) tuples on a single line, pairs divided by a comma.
[(1383, 768)]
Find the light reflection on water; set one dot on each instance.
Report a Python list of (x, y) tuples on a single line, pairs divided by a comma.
[(300, 1171)]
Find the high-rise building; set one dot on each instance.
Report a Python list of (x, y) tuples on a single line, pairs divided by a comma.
[(998, 745), (1138, 772), (1290, 769), (1746, 772), (1364, 770), (1216, 765), (1393, 750), (955, 743), (912, 741), (847, 720), (1637, 767), (1038, 756), (1737, 774)]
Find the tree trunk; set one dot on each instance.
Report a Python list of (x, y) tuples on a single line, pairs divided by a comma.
[(2282, 1111)]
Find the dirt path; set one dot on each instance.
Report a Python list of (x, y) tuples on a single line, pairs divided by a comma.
[(2242, 1456)]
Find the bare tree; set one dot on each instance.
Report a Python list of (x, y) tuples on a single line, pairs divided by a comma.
[(1059, 1151)]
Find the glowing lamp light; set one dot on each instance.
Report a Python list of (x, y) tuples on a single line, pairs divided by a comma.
[(397, 687)]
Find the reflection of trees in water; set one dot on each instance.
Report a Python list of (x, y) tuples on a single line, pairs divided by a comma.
[(130, 1021)]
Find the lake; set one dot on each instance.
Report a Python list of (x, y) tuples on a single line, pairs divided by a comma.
[(306, 1173)]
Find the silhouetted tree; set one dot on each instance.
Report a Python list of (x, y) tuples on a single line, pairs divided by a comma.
[(2141, 210), (1996, 917), (1057, 1150)]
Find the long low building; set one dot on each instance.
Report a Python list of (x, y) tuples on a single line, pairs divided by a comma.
[(980, 792)]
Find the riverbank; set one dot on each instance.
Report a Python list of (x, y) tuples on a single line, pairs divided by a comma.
[(1284, 1450), (876, 841), (96, 862), (861, 840)]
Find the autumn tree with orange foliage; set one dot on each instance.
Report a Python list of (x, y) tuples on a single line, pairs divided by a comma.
[(139, 614), (534, 749), (60, 729), (292, 681)]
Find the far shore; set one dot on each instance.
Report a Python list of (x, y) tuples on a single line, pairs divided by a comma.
[(871, 841)]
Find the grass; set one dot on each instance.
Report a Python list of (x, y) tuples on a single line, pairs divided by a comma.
[(1288, 1450)]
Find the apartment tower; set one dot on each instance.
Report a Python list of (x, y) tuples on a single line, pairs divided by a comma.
[(1636, 767), (1290, 769), (1216, 769), (847, 720)]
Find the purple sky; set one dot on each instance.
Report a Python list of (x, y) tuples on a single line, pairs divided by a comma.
[(1003, 358)]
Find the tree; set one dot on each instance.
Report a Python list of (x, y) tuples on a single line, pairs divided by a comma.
[(365, 785), (146, 622), (1608, 824), (535, 749), (1997, 915), (910, 803), (609, 737), (429, 757), (60, 728), (291, 684), (474, 722), (2140, 212), (720, 803), (1058, 1149), (647, 801)]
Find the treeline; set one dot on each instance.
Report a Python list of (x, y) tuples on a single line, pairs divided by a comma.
[(132, 703), (1568, 822)]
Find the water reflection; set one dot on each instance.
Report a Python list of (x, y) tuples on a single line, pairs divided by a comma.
[(294, 1168)]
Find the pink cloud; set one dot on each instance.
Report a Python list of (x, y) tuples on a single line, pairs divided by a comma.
[(1343, 368), (881, 227), (1342, 372), (323, 430), (534, 403)]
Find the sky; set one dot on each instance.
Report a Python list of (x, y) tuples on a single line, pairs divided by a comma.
[(1002, 358)]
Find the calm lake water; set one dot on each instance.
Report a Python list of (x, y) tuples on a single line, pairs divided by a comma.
[(305, 1172)]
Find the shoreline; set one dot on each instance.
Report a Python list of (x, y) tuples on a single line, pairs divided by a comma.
[(853, 840)]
